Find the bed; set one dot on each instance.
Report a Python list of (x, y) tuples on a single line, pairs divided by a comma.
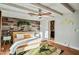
[(23, 42)]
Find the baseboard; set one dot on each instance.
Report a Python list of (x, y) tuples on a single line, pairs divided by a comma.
[(67, 46)]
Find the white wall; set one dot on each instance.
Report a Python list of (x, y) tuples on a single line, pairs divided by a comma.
[(44, 26), (64, 31)]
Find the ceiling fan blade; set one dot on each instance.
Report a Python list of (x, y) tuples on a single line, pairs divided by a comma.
[(32, 14), (48, 13)]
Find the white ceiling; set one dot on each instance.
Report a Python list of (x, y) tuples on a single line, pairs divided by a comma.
[(58, 7), (20, 10)]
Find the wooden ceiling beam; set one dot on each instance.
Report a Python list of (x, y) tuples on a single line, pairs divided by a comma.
[(68, 7), (45, 7)]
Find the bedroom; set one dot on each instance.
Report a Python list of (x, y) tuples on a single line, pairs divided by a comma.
[(40, 15)]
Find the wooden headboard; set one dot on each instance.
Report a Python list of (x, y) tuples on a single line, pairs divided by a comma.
[(26, 35)]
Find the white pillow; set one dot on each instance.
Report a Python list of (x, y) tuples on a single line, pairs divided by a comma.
[(20, 36), (37, 35)]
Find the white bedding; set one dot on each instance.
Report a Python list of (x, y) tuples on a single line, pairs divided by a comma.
[(22, 42)]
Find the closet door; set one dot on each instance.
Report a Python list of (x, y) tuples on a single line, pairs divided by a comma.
[(0, 28)]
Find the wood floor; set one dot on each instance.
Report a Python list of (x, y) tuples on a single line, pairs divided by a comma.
[(5, 50), (67, 50)]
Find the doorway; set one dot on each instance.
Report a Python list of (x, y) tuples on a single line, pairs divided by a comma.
[(52, 29)]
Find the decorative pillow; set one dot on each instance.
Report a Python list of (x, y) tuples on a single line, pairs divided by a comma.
[(20, 36), (37, 35)]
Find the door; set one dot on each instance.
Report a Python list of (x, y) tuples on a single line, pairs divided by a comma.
[(52, 29)]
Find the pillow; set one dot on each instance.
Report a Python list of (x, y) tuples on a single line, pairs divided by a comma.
[(27, 36), (20, 36), (37, 35)]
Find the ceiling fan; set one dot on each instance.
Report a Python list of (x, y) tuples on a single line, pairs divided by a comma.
[(40, 13)]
